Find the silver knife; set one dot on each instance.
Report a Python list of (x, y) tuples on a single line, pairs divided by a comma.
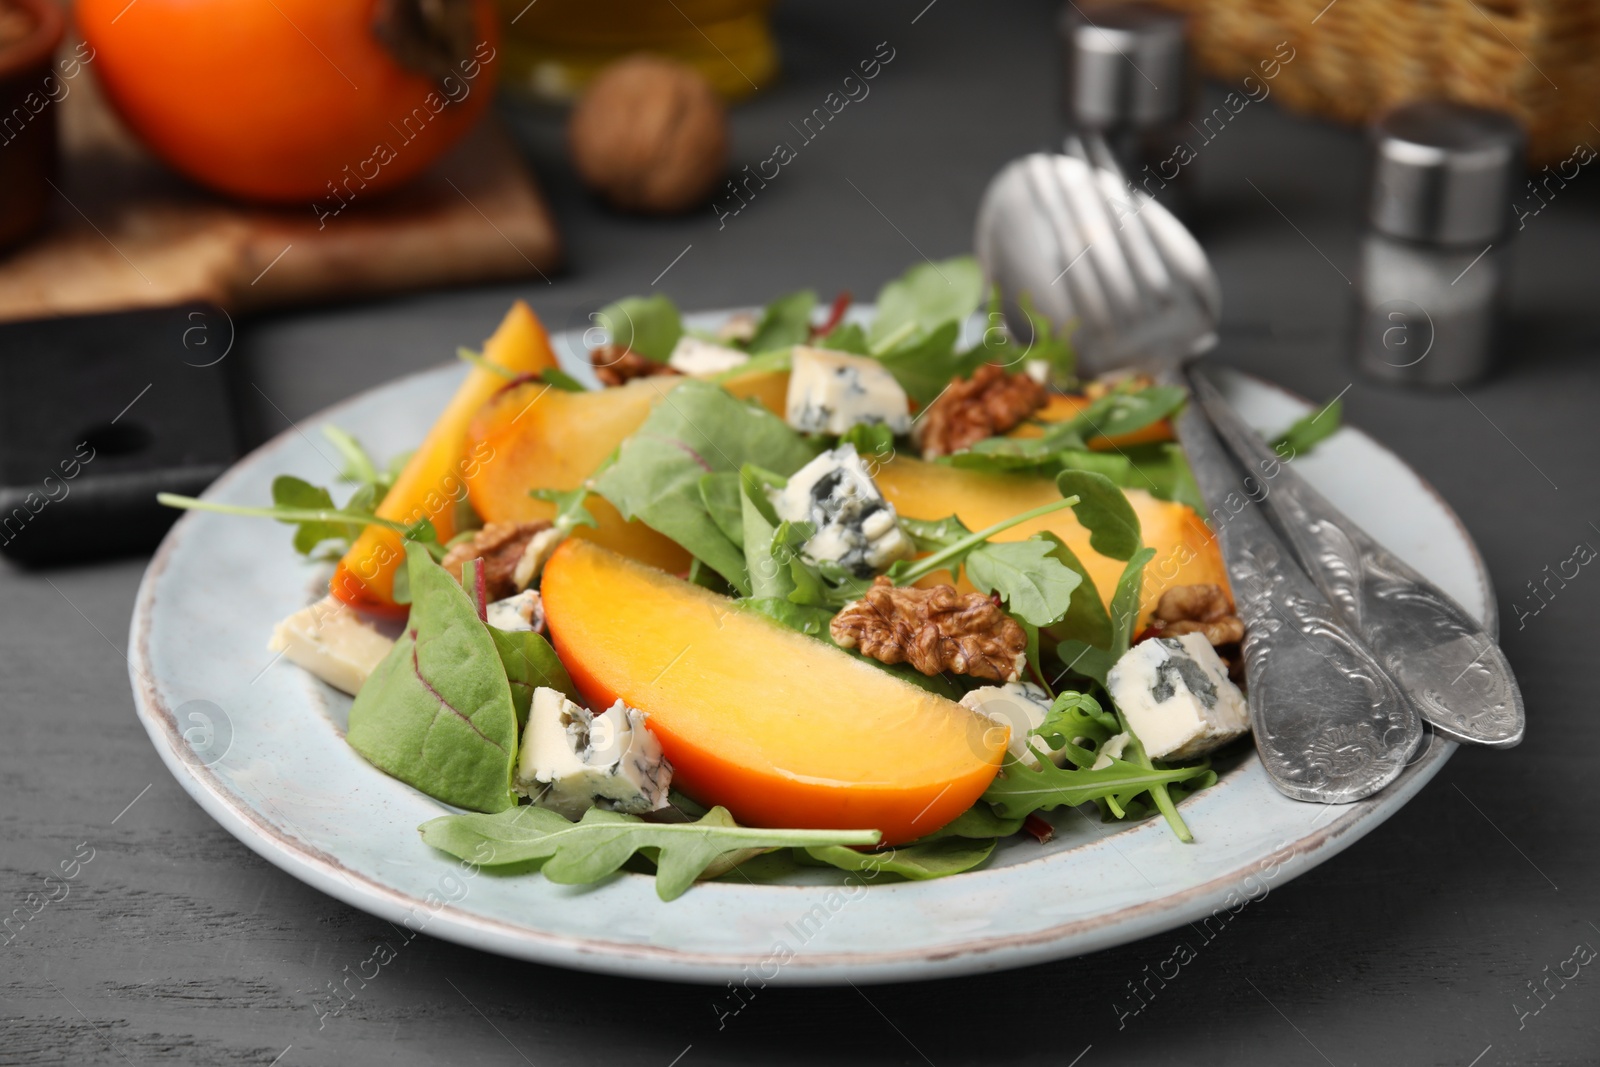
[(1330, 724), (1449, 666)]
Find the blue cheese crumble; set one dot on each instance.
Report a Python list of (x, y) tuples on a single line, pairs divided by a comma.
[(855, 526), (572, 759), (1177, 698), (829, 392)]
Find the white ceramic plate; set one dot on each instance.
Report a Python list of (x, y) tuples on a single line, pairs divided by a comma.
[(260, 748)]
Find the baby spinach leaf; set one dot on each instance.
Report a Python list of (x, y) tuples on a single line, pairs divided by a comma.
[(846, 337), (1035, 585), (527, 657), (649, 326), (1086, 618), (1020, 790), (1308, 431), (599, 844), (926, 364), (1082, 658), (978, 821), (437, 713), (873, 442), (927, 295), (1125, 602), (1104, 510), (696, 429), (919, 862), (809, 619), (719, 491), (785, 322)]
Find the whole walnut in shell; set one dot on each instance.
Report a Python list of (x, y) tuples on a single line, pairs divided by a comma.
[(650, 135)]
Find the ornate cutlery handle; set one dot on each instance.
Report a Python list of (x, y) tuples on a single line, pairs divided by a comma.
[(1330, 724), (1452, 669)]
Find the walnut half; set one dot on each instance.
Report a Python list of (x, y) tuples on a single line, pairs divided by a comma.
[(935, 630), (618, 366), (1202, 608), (989, 402), (501, 546)]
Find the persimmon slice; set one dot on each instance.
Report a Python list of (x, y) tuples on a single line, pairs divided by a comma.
[(781, 728)]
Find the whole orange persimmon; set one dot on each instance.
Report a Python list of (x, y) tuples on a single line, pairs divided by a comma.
[(319, 101)]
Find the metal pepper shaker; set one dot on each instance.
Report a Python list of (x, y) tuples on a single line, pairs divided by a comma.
[(1127, 87), (1431, 292)]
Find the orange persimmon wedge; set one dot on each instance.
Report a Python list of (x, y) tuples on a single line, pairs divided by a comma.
[(537, 437), (780, 728), (435, 478), (1186, 552), (1060, 407)]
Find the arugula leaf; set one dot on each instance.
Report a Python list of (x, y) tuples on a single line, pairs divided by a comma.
[(1163, 799), (477, 359), (1308, 431), (1044, 342), (649, 326), (296, 494), (359, 467), (1035, 585), (1073, 715), (927, 295), (919, 862), (1124, 411), (846, 337), (932, 534), (437, 712), (1125, 602), (698, 428), (950, 555), (873, 441), (571, 512), (785, 322), (1020, 790), (320, 517), (1086, 617), (599, 844), (560, 379), (1104, 510)]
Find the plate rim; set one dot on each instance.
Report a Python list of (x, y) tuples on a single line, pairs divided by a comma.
[(325, 872)]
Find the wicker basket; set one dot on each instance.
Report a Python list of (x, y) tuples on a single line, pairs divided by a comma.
[(1354, 59)]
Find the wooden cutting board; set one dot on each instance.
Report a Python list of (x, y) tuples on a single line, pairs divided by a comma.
[(127, 232)]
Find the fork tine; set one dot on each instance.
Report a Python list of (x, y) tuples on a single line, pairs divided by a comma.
[(1088, 296)]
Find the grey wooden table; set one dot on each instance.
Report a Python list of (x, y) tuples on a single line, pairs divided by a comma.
[(1420, 945)]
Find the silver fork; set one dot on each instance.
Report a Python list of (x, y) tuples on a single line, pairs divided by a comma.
[(1330, 723)]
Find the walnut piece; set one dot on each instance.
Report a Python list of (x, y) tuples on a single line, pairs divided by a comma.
[(935, 630), (501, 546), (1202, 608), (971, 409), (650, 135), (618, 366)]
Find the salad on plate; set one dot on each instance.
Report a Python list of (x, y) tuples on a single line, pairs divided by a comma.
[(868, 590)]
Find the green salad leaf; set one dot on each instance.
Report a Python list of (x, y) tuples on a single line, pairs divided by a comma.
[(698, 428), (1104, 510), (649, 326), (529, 661), (926, 364), (596, 846), (571, 511), (1086, 618), (917, 862), (927, 296), (437, 713), (846, 337), (1020, 790), (1035, 585), (1308, 431), (786, 322)]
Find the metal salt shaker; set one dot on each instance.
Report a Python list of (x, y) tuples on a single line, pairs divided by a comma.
[(1127, 89), (1434, 261)]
